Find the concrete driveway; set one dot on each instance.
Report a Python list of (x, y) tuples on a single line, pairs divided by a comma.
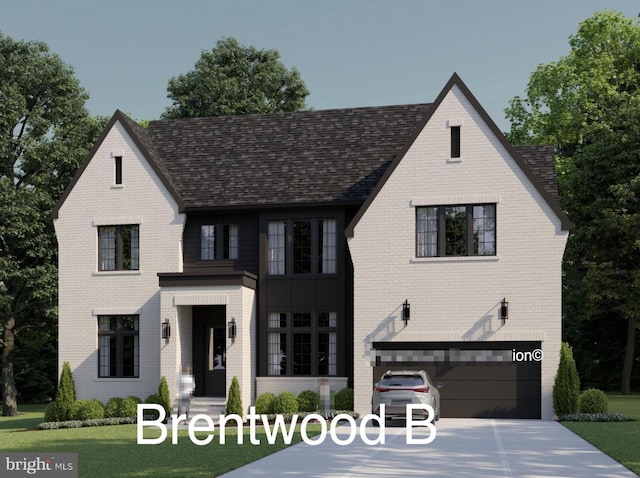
[(462, 447)]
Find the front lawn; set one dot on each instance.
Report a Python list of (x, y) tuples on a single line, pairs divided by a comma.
[(113, 451), (619, 440)]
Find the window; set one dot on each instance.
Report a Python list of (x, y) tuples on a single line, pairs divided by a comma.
[(455, 141), (119, 248), (119, 348), (456, 230), (311, 247), (310, 339), (118, 165), (212, 248)]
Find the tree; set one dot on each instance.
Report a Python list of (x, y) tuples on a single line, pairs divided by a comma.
[(232, 79), (66, 395), (45, 131), (566, 387), (234, 401), (579, 104)]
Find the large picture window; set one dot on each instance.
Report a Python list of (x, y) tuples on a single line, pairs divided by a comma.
[(118, 346), (119, 248), (460, 230), (302, 343), (304, 246)]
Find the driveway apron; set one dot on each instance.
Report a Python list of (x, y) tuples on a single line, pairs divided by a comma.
[(462, 447)]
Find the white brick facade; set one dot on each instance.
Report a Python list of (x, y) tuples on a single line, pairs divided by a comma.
[(85, 292), (457, 299)]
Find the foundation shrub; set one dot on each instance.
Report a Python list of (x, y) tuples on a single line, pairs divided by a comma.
[(234, 400), (308, 401), (112, 408), (264, 403), (344, 399), (87, 410), (566, 387), (593, 400), (286, 402)]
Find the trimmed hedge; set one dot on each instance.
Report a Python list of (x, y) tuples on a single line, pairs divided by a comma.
[(593, 400), (344, 399), (87, 410), (86, 423), (286, 402), (308, 401), (595, 417), (264, 403)]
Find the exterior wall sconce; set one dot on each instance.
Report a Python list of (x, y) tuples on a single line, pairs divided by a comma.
[(166, 329), (232, 329), (406, 312), (504, 309)]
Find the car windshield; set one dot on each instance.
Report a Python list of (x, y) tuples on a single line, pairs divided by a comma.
[(401, 381)]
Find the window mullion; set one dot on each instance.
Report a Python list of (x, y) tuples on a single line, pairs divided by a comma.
[(442, 231)]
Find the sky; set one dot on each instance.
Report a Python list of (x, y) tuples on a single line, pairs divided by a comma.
[(350, 53)]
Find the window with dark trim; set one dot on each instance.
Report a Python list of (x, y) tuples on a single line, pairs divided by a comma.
[(118, 165), (460, 230), (455, 141), (118, 346), (218, 241), (302, 246), (119, 248), (302, 343)]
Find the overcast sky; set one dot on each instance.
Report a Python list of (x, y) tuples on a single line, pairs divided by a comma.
[(349, 52)]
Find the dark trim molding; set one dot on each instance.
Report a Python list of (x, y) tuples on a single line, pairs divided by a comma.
[(208, 278)]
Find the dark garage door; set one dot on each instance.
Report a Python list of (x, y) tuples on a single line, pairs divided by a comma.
[(481, 379)]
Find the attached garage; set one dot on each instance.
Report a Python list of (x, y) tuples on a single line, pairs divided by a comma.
[(480, 379)]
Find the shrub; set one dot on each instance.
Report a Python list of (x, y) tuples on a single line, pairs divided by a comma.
[(51, 413), (344, 399), (87, 410), (66, 394), (566, 388), (286, 402), (264, 403), (128, 407), (308, 401), (163, 394), (153, 398), (593, 401), (112, 408), (234, 401)]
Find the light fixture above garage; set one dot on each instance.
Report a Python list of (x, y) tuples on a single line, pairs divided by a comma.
[(166, 329), (406, 312), (504, 309)]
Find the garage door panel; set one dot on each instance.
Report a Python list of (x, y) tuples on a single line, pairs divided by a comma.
[(480, 379), (478, 408), (489, 389)]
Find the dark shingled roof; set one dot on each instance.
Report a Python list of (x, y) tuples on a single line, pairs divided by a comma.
[(542, 162), (284, 158)]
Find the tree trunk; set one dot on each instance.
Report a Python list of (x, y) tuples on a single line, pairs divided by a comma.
[(9, 396), (629, 356)]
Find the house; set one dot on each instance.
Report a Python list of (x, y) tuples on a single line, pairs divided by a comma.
[(288, 248)]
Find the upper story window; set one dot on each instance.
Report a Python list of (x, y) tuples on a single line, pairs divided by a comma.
[(455, 141), (218, 241), (119, 248), (118, 169), (308, 245), (461, 230)]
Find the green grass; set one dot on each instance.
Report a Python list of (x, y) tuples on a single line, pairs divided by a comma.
[(619, 440), (113, 451)]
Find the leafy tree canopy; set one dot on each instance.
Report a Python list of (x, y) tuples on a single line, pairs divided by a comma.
[(45, 131), (232, 79), (587, 104)]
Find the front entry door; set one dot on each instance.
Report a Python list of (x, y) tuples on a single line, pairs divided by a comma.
[(209, 350)]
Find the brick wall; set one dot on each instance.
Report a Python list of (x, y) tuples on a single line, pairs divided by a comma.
[(457, 299)]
